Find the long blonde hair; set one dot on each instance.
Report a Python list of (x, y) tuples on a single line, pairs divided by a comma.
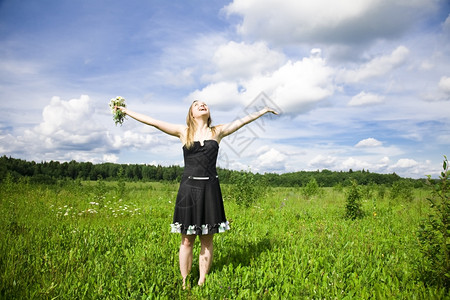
[(192, 126)]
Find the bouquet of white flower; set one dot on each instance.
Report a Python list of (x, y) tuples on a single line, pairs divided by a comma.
[(118, 115)]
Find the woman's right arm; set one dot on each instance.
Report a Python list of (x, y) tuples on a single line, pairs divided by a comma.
[(169, 128)]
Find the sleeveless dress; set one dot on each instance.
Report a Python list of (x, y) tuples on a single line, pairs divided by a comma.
[(199, 206)]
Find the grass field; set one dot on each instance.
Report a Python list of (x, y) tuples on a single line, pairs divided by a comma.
[(111, 240)]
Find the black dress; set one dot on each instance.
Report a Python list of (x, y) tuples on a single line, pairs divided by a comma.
[(199, 205)]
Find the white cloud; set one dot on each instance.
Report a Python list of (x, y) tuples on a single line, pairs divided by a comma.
[(323, 162), (235, 61), (135, 140), (65, 116), (220, 94), (364, 99), (272, 160), (298, 85), (441, 92), (370, 142), (354, 164), (376, 67), (327, 21), (444, 85), (69, 130), (407, 167), (68, 125), (405, 163), (110, 158), (295, 87)]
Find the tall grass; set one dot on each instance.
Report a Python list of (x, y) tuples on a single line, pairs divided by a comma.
[(82, 241)]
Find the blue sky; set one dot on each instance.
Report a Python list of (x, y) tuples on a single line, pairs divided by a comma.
[(360, 84)]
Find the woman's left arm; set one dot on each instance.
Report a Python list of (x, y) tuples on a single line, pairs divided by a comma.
[(229, 128)]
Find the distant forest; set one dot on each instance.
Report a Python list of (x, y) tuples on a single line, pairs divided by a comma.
[(54, 171)]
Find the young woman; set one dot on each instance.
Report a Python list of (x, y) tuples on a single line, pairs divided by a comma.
[(199, 207)]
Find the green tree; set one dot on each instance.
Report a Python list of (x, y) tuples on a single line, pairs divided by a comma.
[(434, 237), (311, 188), (353, 207), (246, 189)]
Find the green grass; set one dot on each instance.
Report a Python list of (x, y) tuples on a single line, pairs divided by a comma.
[(77, 241)]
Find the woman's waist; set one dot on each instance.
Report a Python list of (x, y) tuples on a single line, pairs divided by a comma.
[(200, 174)]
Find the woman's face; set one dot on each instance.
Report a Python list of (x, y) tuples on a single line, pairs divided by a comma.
[(199, 109)]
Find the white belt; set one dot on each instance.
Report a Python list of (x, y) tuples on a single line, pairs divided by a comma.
[(200, 178)]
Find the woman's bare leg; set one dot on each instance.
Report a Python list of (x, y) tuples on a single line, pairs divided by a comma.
[(185, 255), (206, 256)]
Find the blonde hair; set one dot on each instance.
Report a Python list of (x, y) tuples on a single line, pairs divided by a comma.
[(192, 126)]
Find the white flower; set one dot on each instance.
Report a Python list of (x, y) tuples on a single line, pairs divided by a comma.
[(118, 115)]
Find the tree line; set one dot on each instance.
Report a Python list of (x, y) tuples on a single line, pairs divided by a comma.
[(52, 171)]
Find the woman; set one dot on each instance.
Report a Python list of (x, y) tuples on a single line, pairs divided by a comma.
[(199, 206)]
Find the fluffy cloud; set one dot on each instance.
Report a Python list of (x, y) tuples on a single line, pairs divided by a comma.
[(68, 125), (444, 85), (370, 142), (110, 158), (376, 67), (405, 163), (409, 168), (72, 129), (327, 21), (440, 92), (295, 86), (221, 94), (323, 162), (69, 130), (272, 160), (354, 164), (363, 99), (235, 61)]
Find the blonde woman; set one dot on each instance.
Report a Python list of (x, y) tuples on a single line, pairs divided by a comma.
[(199, 207)]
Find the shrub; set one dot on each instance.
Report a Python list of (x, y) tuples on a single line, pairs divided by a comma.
[(311, 188), (353, 207), (381, 191), (246, 189), (433, 233), (402, 189), (100, 191)]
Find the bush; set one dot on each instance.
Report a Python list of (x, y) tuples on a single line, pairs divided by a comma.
[(353, 207), (246, 189), (402, 189), (311, 188), (433, 233)]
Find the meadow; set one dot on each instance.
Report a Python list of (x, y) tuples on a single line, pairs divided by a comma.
[(112, 240)]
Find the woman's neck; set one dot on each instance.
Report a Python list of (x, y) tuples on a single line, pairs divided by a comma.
[(201, 124), (202, 131)]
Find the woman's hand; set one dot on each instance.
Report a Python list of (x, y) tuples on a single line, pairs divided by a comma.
[(271, 110), (121, 108)]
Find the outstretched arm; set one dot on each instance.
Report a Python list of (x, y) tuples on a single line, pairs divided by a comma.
[(169, 128), (227, 129)]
